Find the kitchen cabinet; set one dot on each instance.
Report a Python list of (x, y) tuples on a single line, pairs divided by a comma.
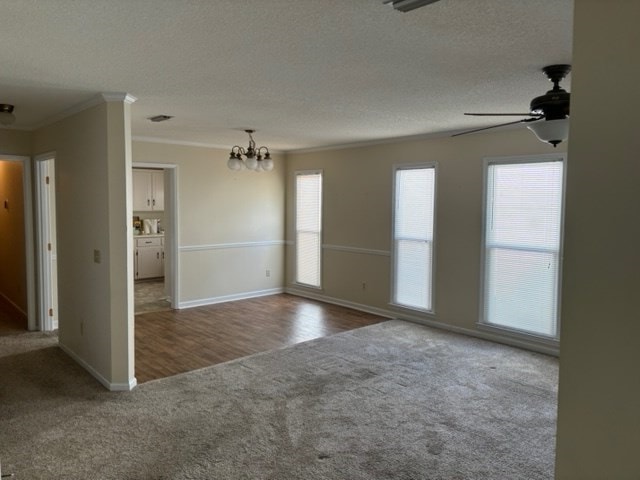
[(148, 190), (149, 256)]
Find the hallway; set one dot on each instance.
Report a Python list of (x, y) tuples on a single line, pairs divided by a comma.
[(13, 245), (11, 321)]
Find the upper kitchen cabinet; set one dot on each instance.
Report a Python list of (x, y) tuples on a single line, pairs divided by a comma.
[(148, 190)]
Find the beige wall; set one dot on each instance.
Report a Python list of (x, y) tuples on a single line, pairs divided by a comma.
[(357, 213), (13, 270), (599, 404), (95, 317), (120, 247), (218, 209), (15, 142)]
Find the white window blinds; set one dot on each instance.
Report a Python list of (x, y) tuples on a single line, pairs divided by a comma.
[(522, 246), (413, 237), (308, 227)]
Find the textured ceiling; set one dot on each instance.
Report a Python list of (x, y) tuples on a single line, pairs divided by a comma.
[(303, 73)]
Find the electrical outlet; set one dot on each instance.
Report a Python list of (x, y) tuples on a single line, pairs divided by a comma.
[(97, 256), (364, 285), (267, 273)]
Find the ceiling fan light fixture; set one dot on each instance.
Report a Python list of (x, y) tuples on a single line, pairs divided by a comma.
[(6, 114), (550, 131), (548, 116)]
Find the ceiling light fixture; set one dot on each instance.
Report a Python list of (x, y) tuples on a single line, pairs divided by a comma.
[(254, 159), (6, 114), (408, 5), (548, 116), (551, 131)]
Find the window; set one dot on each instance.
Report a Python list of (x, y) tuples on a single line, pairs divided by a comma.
[(308, 227), (523, 225), (414, 197)]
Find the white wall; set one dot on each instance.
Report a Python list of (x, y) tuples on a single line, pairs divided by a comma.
[(599, 404), (231, 224), (95, 299), (357, 215)]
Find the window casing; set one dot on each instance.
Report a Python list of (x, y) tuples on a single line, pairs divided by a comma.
[(413, 236), (308, 222), (523, 226)]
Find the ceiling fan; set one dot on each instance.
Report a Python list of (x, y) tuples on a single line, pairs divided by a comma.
[(548, 115)]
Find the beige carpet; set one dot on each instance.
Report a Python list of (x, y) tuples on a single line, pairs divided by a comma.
[(390, 401)]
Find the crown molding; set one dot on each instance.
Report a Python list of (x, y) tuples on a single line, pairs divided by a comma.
[(91, 102), (118, 97), (370, 143), (392, 140), (184, 143), (168, 141)]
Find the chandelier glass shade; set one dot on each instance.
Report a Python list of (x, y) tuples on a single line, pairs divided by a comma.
[(255, 158)]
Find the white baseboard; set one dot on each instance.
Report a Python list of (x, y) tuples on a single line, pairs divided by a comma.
[(114, 387), (229, 298), (343, 303), (512, 341), (125, 387), (493, 337)]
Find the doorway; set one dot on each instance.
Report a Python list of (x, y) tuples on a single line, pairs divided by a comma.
[(154, 241), (17, 299)]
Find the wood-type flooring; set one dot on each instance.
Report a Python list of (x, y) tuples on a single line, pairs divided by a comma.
[(177, 341)]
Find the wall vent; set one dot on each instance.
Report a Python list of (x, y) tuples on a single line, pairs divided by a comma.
[(160, 118)]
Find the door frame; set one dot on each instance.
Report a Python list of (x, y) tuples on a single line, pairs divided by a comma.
[(171, 216), (43, 232)]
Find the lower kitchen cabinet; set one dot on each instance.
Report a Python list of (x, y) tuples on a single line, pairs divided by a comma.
[(149, 257)]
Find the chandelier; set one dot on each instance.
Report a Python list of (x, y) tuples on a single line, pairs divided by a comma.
[(253, 157)]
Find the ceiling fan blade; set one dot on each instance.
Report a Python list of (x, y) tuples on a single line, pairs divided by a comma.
[(502, 114), (496, 126)]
